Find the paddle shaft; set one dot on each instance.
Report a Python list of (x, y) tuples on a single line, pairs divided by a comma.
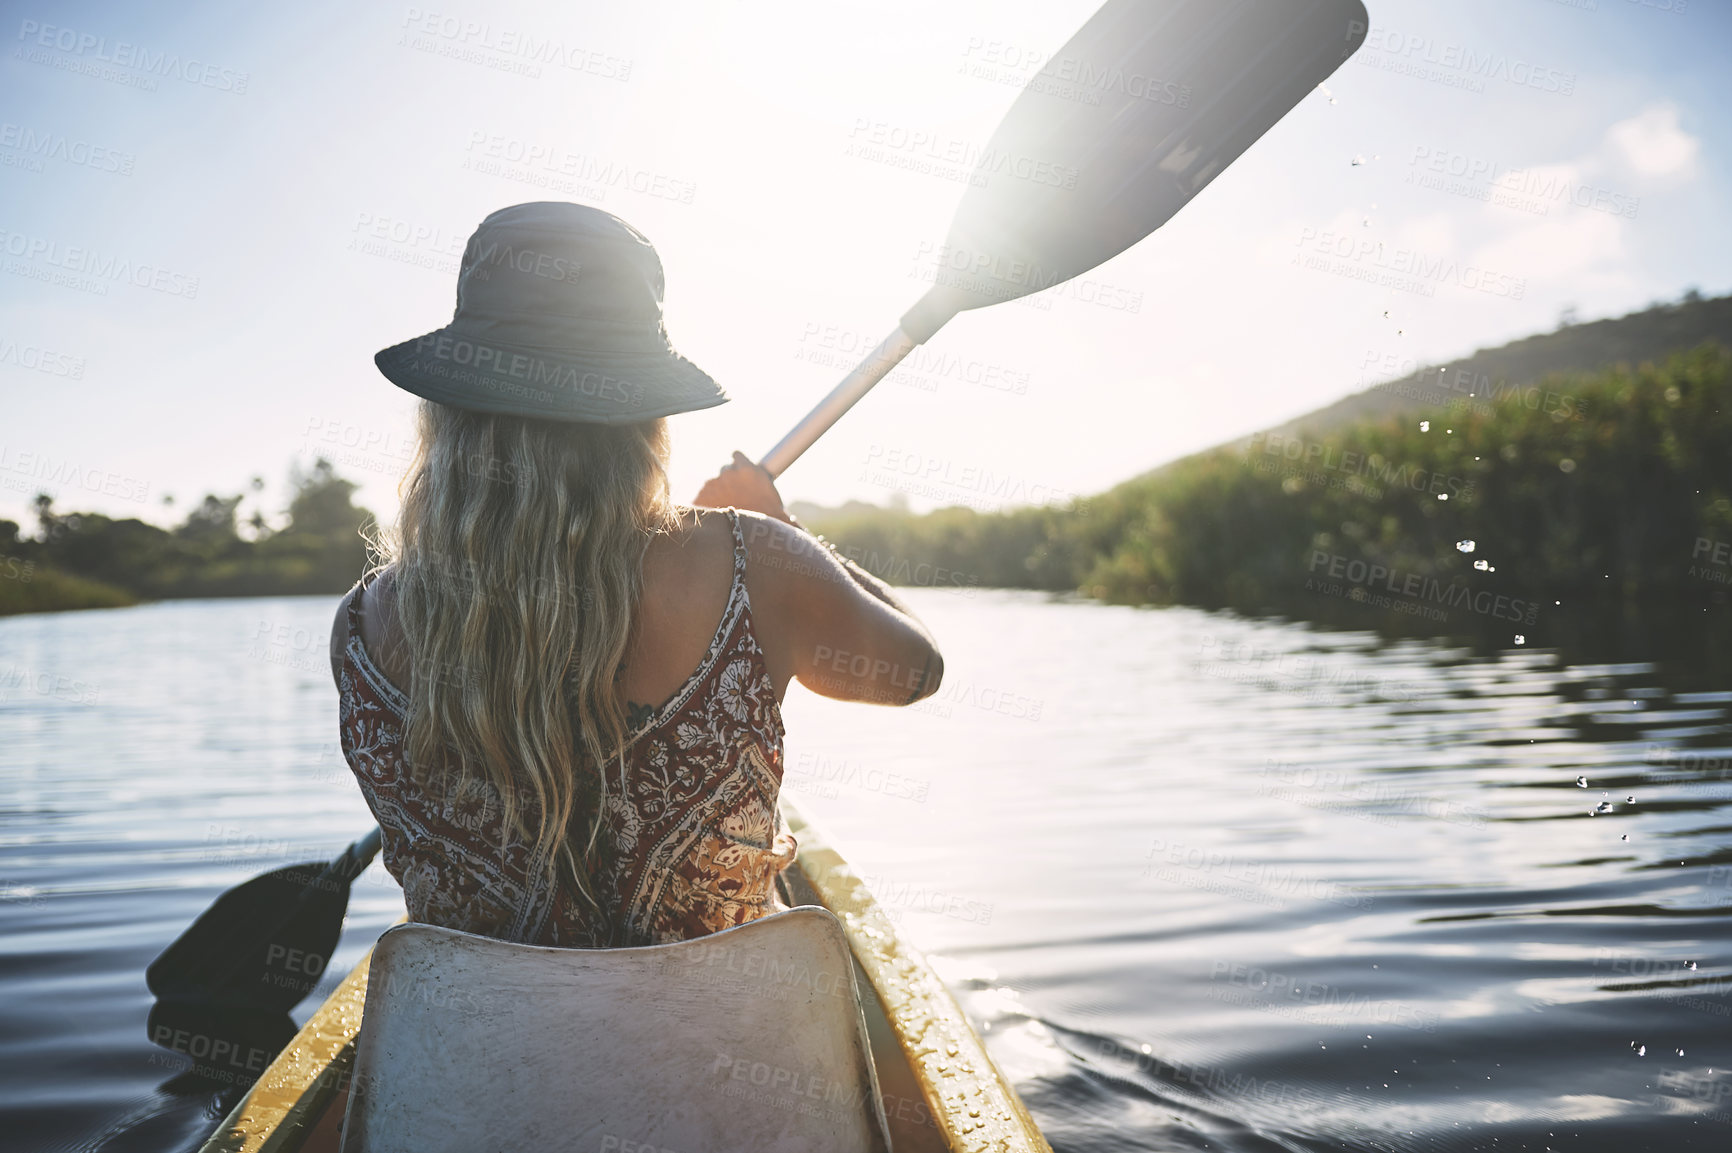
[(828, 411)]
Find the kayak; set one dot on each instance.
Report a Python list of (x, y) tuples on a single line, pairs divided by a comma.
[(940, 1089)]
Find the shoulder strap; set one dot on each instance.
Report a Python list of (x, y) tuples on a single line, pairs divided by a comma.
[(352, 618), (739, 546)]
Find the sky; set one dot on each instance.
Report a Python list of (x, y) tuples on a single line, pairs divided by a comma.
[(293, 191)]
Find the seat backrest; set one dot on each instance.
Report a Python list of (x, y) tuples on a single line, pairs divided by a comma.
[(748, 1039)]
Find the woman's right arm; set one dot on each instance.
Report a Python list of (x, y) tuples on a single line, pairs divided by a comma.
[(822, 619)]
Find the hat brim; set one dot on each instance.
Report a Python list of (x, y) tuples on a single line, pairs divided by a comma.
[(452, 368)]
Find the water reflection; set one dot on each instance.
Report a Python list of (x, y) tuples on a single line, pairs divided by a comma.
[(1205, 880)]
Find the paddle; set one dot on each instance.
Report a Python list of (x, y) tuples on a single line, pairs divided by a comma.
[(1143, 107), (264, 944)]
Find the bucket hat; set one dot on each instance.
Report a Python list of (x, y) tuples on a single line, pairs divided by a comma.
[(559, 316)]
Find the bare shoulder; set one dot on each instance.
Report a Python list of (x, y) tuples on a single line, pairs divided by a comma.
[(777, 552), (379, 634), (686, 564), (340, 631), (699, 534)]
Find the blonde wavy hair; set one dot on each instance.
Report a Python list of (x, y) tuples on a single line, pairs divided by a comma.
[(518, 556)]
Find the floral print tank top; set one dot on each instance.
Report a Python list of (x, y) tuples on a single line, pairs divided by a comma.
[(696, 835)]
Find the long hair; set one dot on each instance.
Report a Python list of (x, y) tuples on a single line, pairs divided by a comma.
[(519, 553)]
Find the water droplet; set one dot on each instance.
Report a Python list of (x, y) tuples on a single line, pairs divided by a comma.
[(1464, 546), (1642, 1052), (1605, 807), (1482, 565), (1631, 799), (1680, 1052), (1443, 496), (1593, 812), (1581, 782), (1358, 160), (1425, 426), (1691, 965), (1625, 837), (1520, 639)]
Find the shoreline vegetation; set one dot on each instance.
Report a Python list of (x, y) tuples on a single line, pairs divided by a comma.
[(1585, 471), (1490, 498), (88, 560)]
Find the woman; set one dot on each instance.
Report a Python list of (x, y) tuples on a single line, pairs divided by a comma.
[(561, 743)]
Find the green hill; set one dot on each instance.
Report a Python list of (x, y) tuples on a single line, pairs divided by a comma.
[(1507, 374), (1594, 466)]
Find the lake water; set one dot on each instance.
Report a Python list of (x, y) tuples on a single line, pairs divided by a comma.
[(1206, 882)]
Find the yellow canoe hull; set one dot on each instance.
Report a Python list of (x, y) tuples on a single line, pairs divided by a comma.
[(941, 1091)]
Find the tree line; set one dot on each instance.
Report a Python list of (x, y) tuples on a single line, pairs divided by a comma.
[(1582, 488), (90, 560)]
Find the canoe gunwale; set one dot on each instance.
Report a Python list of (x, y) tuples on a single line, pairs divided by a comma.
[(974, 1108)]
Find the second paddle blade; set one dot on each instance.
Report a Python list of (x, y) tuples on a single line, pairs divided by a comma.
[(262, 945), (1145, 105)]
